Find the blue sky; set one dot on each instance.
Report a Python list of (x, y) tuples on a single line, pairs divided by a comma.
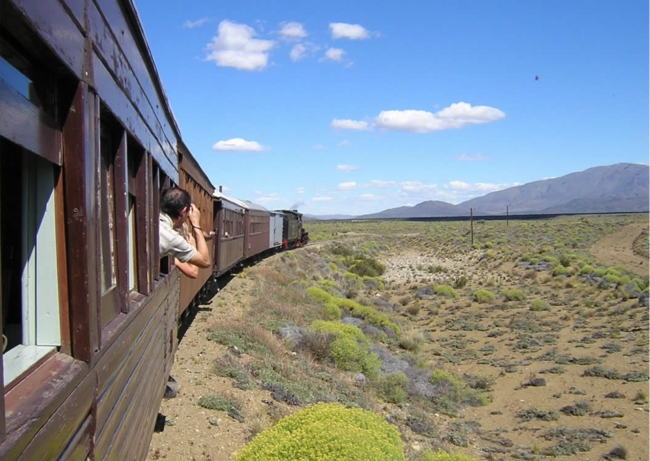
[(353, 107)]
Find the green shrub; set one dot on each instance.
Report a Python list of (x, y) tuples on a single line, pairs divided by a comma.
[(460, 282), (368, 267), (379, 281), (527, 256), (551, 260), (446, 291), (367, 313), (540, 305), (456, 390), (484, 296), (350, 348), (586, 269), (489, 254), (391, 388), (327, 432), (333, 267), (513, 295), (319, 295), (560, 270), (428, 455), (600, 272), (611, 278), (331, 311)]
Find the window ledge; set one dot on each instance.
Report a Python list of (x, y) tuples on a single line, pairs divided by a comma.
[(19, 359)]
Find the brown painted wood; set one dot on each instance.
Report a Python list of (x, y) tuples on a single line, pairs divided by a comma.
[(153, 183), (62, 265), (121, 91), (61, 427), (26, 125), (38, 397), (80, 446), (141, 231), (189, 164), (52, 22), (77, 214), (122, 223)]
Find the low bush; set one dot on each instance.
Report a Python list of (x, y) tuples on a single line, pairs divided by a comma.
[(319, 295), (513, 295), (428, 455), (560, 270), (366, 313), (327, 432), (331, 311), (446, 291), (350, 348), (540, 305), (484, 296), (391, 387)]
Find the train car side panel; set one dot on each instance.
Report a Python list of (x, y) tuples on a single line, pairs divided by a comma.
[(257, 230)]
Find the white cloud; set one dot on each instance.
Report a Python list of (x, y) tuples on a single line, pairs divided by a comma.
[(234, 46), (198, 23), (347, 185), (458, 185), (357, 125), (381, 184), (347, 168), (370, 197), (351, 31), (344, 144), (319, 146), (321, 199), (300, 190), (455, 116), (416, 186), (238, 145), (302, 50), (334, 54), (292, 31), (271, 198), (471, 158)]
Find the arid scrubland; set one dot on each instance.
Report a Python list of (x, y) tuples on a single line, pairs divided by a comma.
[(527, 344)]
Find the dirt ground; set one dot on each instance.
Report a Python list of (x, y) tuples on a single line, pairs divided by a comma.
[(194, 433)]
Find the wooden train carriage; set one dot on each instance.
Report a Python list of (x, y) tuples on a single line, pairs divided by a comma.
[(88, 317), (196, 182), (257, 229), (229, 226)]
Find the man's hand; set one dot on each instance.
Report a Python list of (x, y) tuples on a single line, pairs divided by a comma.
[(195, 216)]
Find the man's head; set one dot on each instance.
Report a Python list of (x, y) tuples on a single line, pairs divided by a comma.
[(176, 203)]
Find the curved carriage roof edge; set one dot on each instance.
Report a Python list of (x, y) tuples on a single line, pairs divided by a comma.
[(255, 206), (236, 201), (132, 12), (193, 167)]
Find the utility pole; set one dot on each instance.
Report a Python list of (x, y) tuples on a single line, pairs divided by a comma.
[(471, 224)]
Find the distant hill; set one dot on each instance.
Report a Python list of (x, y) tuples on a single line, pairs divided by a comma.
[(623, 187), (309, 217)]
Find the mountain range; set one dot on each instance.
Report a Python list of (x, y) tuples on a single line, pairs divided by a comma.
[(604, 189)]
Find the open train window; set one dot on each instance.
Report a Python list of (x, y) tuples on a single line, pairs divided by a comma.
[(28, 253)]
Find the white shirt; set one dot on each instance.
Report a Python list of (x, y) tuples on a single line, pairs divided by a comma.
[(172, 242)]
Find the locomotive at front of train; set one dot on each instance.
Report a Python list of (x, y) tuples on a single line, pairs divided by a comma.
[(89, 310)]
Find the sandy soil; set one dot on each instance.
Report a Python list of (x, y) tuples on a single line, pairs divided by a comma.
[(193, 433)]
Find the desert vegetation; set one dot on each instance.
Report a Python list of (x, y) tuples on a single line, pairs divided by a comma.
[(521, 346)]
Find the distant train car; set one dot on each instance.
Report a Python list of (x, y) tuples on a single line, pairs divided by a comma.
[(257, 230), (196, 182), (293, 235), (275, 230), (229, 226)]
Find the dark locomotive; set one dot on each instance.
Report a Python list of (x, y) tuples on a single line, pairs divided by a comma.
[(90, 313)]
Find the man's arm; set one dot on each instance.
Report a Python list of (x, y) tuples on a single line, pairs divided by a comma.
[(188, 269), (202, 256)]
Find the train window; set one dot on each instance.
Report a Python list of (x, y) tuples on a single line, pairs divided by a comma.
[(135, 157), (109, 144), (28, 254)]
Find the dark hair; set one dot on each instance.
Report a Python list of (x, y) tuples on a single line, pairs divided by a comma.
[(173, 200)]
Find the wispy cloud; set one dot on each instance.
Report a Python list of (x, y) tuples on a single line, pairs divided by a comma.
[(344, 144), (238, 145), (381, 184), (346, 168), (457, 115), (347, 185), (334, 54), (319, 146), (302, 50), (192, 24), (350, 31), (300, 190), (321, 199), (471, 158), (350, 125), (292, 31), (235, 46)]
